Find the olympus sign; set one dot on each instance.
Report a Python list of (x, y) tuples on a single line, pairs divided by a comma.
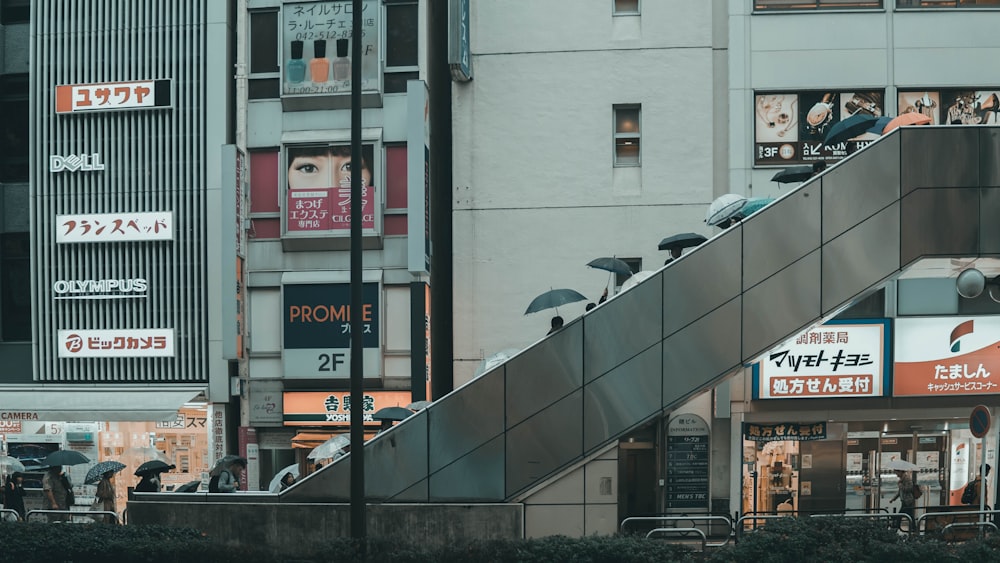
[(75, 162), (100, 289)]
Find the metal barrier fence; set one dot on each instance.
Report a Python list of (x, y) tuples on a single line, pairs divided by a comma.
[(6, 513), (894, 518), (951, 524), (692, 521), (684, 535), (94, 515)]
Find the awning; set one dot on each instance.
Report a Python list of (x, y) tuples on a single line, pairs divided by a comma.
[(69, 403)]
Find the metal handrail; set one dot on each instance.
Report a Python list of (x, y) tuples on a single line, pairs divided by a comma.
[(983, 524), (738, 527), (17, 515), (679, 531), (873, 516), (693, 519), (72, 513), (981, 514)]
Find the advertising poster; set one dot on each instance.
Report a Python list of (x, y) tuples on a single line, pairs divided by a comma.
[(789, 127), (317, 47), (318, 198), (317, 330), (954, 106), (837, 359), (941, 356)]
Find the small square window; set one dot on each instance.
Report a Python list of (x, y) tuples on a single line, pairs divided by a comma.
[(627, 140), (626, 7)]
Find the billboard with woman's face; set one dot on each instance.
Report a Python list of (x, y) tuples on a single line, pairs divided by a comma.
[(318, 191)]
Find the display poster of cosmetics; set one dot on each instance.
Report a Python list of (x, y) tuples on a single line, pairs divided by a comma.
[(317, 47), (790, 127), (318, 194), (958, 106)]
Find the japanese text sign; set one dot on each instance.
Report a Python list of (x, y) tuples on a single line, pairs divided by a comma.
[(832, 360), (111, 96), (319, 189), (946, 356), (121, 343), (320, 408), (792, 431), (115, 227)]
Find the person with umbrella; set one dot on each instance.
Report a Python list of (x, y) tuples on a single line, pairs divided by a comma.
[(228, 478), (56, 489), (106, 496), (149, 474), (13, 493), (905, 492)]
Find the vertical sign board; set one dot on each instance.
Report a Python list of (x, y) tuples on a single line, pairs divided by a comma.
[(317, 330), (418, 223), (234, 206), (687, 463), (459, 46)]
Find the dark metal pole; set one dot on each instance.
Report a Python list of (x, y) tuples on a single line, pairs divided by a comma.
[(358, 527)]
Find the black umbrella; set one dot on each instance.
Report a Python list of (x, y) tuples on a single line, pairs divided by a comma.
[(64, 457), (611, 265), (189, 487), (849, 128), (154, 466), (554, 298), (392, 413), (793, 174), (681, 241), (98, 471)]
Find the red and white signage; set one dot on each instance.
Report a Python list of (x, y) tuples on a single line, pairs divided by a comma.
[(947, 356), (111, 96), (834, 360), (122, 343), (115, 227)]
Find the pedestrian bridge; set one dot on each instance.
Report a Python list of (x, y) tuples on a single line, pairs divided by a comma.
[(914, 199)]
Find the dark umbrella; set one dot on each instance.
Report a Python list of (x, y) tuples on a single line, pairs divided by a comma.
[(681, 241), (65, 457), (189, 487), (554, 298), (392, 413), (154, 466), (879, 125), (793, 174), (849, 128), (611, 265), (97, 471)]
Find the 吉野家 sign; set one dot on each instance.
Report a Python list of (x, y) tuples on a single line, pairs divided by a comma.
[(120, 343), (837, 359), (113, 96), (320, 408)]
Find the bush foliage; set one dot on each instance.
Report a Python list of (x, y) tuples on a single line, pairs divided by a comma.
[(832, 540)]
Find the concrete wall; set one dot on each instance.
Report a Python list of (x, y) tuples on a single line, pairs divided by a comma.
[(294, 529)]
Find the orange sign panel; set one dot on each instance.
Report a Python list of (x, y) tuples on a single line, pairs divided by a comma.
[(333, 408)]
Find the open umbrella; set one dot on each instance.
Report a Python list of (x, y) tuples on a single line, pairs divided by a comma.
[(275, 485), (912, 118), (901, 465), (611, 265), (554, 298), (723, 208), (189, 487), (225, 462), (793, 174), (154, 466), (754, 204), (10, 464), (95, 472), (418, 405), (880, 124), (330, 447), (681, 241), (494, 360), (65, 457), (392, 413), (849, 128), (635, 279)]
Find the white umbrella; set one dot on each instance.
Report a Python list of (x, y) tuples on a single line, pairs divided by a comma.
[(901, 465), (331, 447), (723, 208), (495, 360), (10, 464), (635, 279), (275, 484)]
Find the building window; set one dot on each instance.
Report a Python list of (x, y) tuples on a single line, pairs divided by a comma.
[(816, 4), (15, 287), (14, 128), (264, 80), (948, 3), (402, 36), (15, 11), (626, 7), (627, 135)]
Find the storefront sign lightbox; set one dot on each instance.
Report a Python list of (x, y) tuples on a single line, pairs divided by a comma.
[(946, 356)]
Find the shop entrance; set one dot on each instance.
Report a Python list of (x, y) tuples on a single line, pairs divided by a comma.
[(821, 479), (637, 490)]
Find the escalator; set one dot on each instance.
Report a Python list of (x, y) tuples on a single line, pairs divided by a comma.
[(915, 197)]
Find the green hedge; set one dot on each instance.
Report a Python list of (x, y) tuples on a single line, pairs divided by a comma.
[(791, 540)]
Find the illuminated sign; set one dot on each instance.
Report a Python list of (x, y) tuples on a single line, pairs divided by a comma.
[(946, 356), (121, 343), (115, 227), (112, 96)]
